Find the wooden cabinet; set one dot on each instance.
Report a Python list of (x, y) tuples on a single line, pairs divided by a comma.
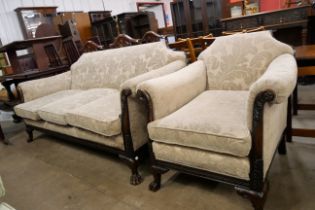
[(143, 22), (124, 22), (31, 18), (99, 15), (196, 18), (106, 30), (81, 23), (289, 25)]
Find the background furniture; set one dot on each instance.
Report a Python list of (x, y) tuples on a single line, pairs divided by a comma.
[(289, 25), (53, 57), (106, 30), (151, 36), (71, 50), (32, 17), (12, 47), (196, 18), (80, 25), (123, 40), (98, 15), (123, 20), (305, 56), (141, 23)]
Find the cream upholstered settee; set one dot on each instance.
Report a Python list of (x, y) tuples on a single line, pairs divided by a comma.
[(225, 114), (94, 103)]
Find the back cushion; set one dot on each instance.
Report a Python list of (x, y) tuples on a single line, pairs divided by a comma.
[(109, 68), (235, 62)]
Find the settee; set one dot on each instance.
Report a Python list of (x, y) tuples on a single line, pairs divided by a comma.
[(95, 102), (226, 115)]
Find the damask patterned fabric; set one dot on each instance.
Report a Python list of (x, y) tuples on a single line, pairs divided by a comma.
[(213, 121), (210, 161), (110, 68), (235, 62), (29, 110), (112, 141), (169, 93), (280, 77), (164, 70), (100, 115), (275, 122), (42, 87), (55, 112)]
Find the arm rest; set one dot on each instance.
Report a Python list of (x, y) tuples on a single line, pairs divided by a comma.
[(33, 89), (167, 69), (279, 78), (170, 92)]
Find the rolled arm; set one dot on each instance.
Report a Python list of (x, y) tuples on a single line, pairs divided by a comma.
[(33, 89), (170, 92), (280, 78), (167, 69)]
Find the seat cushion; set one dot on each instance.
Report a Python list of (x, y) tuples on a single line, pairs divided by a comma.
[(237, 167), (29, 110), (100, 116), (213, 121), (55, 112)]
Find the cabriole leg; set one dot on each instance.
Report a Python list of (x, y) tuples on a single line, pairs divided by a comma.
[(135, 178)]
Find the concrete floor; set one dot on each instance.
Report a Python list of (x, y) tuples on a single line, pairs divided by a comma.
[(49, 174)]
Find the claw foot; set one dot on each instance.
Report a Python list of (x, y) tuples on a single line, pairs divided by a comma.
[(135, 179)]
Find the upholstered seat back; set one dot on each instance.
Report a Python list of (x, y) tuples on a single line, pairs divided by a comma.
[(109, 68), (235, 62)]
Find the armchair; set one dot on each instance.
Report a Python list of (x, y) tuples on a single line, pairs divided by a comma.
[(225, 115)]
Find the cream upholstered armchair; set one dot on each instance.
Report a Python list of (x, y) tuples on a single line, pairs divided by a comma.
[(223, 116)]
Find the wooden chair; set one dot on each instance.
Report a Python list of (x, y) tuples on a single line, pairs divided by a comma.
[(250, 30), (186, 46), (151, 36), (53, 57), (305, 56), (71, 50), (91, 46), (198, 44), (123, 40)]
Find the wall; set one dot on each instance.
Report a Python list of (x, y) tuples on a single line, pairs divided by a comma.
[(10, 28)]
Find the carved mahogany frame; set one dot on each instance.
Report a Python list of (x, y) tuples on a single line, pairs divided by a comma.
[(128, 155), (256, 188)]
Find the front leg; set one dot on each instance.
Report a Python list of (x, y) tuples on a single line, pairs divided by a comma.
[(157, 172), (29, 131), (135, 178)]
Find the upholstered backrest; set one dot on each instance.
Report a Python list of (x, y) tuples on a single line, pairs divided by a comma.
[(109, 68), (235, 62)]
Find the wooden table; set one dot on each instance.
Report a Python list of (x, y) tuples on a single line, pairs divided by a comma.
[(15, 79), (305, 56), (12, 47)]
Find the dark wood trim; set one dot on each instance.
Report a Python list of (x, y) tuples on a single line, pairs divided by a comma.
[(289, 121), (256, 154), (303, 132), (306, 106)]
